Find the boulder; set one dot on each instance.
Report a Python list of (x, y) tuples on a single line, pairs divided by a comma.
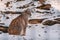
[(49, 22), (35, 21), (41, 1), (4, 29), (45, 7), (58, 19)]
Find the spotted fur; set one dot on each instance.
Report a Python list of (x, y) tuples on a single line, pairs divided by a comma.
[(19, 24)]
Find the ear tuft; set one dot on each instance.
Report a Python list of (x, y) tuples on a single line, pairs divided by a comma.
[(27, 11)]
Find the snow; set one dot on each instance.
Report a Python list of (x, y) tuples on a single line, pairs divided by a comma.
[(35, 32)]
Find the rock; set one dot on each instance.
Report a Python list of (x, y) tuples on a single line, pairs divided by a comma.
[(49, 22), (11, 12), (4, 29), (7, 4), (58, 22), (35, 21), (41, 1), (58, 19), (45, 7)]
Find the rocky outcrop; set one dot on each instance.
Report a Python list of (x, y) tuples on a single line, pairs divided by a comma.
[(51, 22), (41, 1), (45, 7), (35, 21), (4, 29), (58, 19)]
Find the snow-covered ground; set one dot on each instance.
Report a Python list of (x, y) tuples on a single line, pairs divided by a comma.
[(36, 31)]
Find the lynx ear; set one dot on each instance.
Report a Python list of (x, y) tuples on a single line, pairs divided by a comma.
[(28, 11)]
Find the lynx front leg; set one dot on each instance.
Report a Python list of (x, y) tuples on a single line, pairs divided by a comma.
[(23, 31)]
